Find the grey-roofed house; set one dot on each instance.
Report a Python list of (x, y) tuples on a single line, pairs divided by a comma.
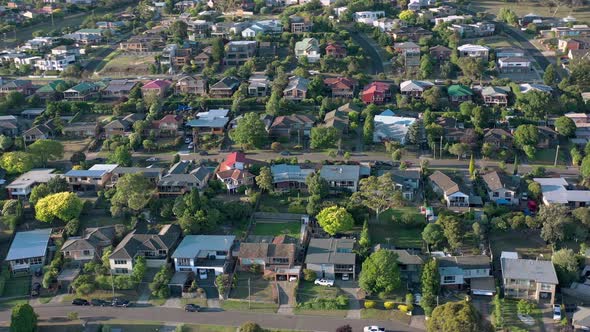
[(581, 319), (501, 189), (296, 89), (154, 174), (41, 131), (81, 129), (213, 121), (457, 271), (443, 185), (407, 181), (92, 179), (89, 246), (331, 258), (286, 177), (29, 251), (495, 95), (204, 252), (273, 256), (22, 186), (177, 184), (118, 88), (529, 279), (155, 246), (342, 177), (224, 88), (409, 262), (32, 113), (337, 119)]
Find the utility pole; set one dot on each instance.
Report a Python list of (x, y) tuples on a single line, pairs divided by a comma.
[(112, 283), (440, 152), (249, 297), (556, 154)]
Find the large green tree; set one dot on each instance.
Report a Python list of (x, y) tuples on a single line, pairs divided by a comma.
[(23, 318), (264, 179), (554, 219), (433, 235), (456, 317), (452, 230), (430, 281), (45, 150), (566, 265), (17, 162), (335, 220), (250, 131), (376, 193), (565, 126), (121, 156), (380, 273), (133, 192), (324, 137), (63, 206)]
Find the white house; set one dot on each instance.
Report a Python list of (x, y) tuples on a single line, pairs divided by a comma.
[(203, 252), (449, 189), (55, 62), (474, 51), (368, 17), (500, 189), (388, 127), (22, 186), (514, 65), (557, 191), (457, 271)]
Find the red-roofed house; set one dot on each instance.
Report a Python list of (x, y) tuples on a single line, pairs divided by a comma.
[(232, 171), (235, 160), (169, 125), (336, 50), (159, 87), (376, 93), (341, 87)]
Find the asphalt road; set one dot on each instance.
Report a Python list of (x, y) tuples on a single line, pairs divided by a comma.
[(57, 313), (375, 59)]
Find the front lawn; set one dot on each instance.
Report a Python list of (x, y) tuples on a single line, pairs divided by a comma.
[(318, 300), (17, 286), (238, 305), (395, 232), (260, 289), (513, 323), (547, 156), (383, 314), (292, 229)]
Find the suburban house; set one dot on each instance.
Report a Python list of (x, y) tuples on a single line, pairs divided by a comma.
[(528, 87), (296, 89), (509, 52), (501, 189), (233, 171), (309, 48), (178, 184), (460, 271), (154, 174), (530, 279), (9, 125), (41, 131), (411, 33), (237, 52), (514, 65), (547, 137), (224, 88), (407, 181), (258, 85), (414, 88), (498, 137), (343, 177), (331, 258), (341, 87), (336, 51), (288, 177), (558, 191), (449, 189), (581, 319), (440, 53), (459, 93), (23, 86), (495, 95), (157, 87), (387, 24), (337, 119), (475, 30), (204, 252), (376, 93), (49, 91), (213, 121), (118, 88), (409, 261), (388, 127), (22, 186), (288, 125), (474, 51), (169, 126), (191, 85), (82, 92), (121, 126), (29, 251), (155, 246), (81, 129), (89, 246), (410, 52), (92, 179), (367, 17), (300, 24), (573, 44), (272, 257)]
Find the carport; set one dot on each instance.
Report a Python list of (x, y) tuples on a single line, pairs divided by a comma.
[(483, 286), (282, 274), (176, 284), (66, 277)]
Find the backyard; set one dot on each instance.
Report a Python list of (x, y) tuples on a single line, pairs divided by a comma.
[(395, 232), (292, 229), (528, 245), (122, 65)]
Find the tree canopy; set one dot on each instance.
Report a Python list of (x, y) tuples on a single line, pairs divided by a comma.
[(250, 131), (335, 219), (324, 137), (45, 150), (17, 162), (380, 273), (23, 318), (64, 206), (376, 193), (565, 126), (455, 317), (133, 191)]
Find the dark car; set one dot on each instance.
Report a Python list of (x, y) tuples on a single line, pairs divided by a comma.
[(120, 303), (80, 302), (203, 153), (36, 289), (192, 308), (285, 153), (99, 303)]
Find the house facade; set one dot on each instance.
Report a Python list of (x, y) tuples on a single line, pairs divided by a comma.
[(500, 188), (449, 189), (458, 271), (331, 258), (527, 278), (204, 252), (29, 251)]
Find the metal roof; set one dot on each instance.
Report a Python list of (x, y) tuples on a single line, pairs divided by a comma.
[(192, 245), (330, 251), (29, 244)]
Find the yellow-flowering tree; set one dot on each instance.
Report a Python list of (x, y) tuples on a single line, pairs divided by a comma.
[(64, 206)]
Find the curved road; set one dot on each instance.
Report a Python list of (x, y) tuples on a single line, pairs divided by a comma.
[(58, 312), (376, 60)]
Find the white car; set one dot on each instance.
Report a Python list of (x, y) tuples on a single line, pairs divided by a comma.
[(188, 140), (417, 298), (191, 145), (202, 274), (373, 329), (291, 279), (324, 282), (556, 312), (345, 277)]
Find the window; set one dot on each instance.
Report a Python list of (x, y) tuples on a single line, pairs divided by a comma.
[(67, 254), (449, 279), (280, 260), (507, 194), (121, 271), (546, 287), (120, 262), (162, 252), (183, 261), (221, 253)]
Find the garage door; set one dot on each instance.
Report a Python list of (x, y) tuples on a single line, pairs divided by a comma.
[(482, 292)]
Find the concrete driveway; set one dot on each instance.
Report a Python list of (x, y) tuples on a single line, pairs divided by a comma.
[(483, 304), (351, 289)]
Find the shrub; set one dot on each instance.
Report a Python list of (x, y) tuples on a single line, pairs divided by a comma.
[(255, 268), (389, 305), (250, 327), (276, 146), (73, 315), (370, 304), (72, 227), (403, 308), (525, 307), (309, 275)]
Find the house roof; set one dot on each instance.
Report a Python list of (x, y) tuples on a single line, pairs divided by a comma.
[(336, 119), (340, 82), (41, 129), (407, 258), (458, 90), (464, 262), (29, 244), (40, 175), (297, 83), (581, 317), (50, 87), (340, 172), (177, 180), (228, 82), (555, 191), (180, 167), (82, 87), (120, 85), (349, 107), (90, 240), (97, 170), (529, 269), (156, 84), (201, 245), (233, 158), (494, 91), (495, 181), (234, 174), (498, 133), (286, 121), (444, 182), (201, 173), (133, 242), (264, 250), (472, 48), (285, 172), (146, 171), (330, 251), (527, 87), (387, 127), (374, 87), (440, 48), (414, 85)]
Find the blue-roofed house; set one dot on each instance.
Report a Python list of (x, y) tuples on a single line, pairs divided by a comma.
[(389, 127), (286, 177), (203, 252), (92, 179), (29, 251), (210, 122)]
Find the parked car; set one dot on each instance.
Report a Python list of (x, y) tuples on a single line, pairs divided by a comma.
[(80, 302), (556, 312), (417, 298), (120, 303), (345, 277), (99, 303), (192, 308), (188, 140), (292, 279), (373, 329), (285, 153), (202, 274), (152, 159), (324, 282), (191, 145), (203, 153), (36, 289)]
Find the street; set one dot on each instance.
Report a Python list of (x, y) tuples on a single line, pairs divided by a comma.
[(59, 312)]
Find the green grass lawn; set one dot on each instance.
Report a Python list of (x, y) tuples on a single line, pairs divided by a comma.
[(307, 292), (260, 289), (7, 304), (17, 286), (528, 244), (513, 323), (547, 156), (382, 314), (237, 305), (398, 234), (279, 228)]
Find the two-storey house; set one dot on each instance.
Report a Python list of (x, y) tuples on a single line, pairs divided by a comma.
[(529, 279), (449, 189), (501, 189), (29, 251), (93, 179), (89, 246), (331, 258), (459, 271), (204, 252)]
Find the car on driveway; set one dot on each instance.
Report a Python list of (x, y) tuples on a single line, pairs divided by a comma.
[(99, 303), (120, 303), (192, 308), (152, 159), (417, 298), (324, 282), (285, 153), (80, 302), (36, 289), (556, 312), (203, 274), (373, 328)]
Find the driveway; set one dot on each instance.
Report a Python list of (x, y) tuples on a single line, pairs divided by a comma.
[(351, 289), (286, 297), (483, 304)]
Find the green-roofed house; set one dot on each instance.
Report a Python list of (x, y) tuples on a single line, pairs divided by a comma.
[(49, 90), (459, 93), (82, 92)]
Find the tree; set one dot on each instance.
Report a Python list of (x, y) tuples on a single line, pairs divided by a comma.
[(550, 75), (121, 156), (368, 129), (526, 135), (133, 191), (64, 206), (432, 235), (57, 184), (316, 87), (250, 327), (430, 281), (273, 105), (376, 193), (39, 192), (139, 269), (264, 179), (5, 142), (565, 126), (17, 162), (452, 230), (148, 144), (78, 157), (316, 185), (23, 318), (407, 16), (584, 168), (380, 273), (426, 66), (414, 132), (508, 15), (566, 265), (179, 29), (217, 50), (455, 317), (335, 220), (159, 285), (459, 149), (431, 97), (472, 168), (323, 137), (582, 214), (471, 67), (554, 219), (250, 131)]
